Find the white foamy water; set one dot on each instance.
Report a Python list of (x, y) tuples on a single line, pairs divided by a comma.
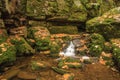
[(70, 51)]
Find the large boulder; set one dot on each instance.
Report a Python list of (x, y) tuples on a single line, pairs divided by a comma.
[(41, 37), (107, 24), (78, 12), (97, 7), (96, 45), (40, 8)]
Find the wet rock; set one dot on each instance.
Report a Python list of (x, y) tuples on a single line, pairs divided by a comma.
[(26, 75)]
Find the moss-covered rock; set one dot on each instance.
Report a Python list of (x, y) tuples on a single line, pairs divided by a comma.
[(41, 37), (7, 52), (78, 12), (63, 29), (116, 52), (60, 71), (41, 8), (97, 7), (42, 44), (107, 24), (54, 47), (96, 44), (38, 32), (38, 65), (70, 63), (23, 48)]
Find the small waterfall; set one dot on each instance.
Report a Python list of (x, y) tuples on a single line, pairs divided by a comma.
[(69, 51)]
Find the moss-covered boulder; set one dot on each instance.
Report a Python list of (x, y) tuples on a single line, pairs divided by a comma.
[(116, 51), (97, 7), (23, 48), (107, 24), (38, 32), (96, 45), (78, 12), (7, 52), (54, 48), (40, 8), (42, 44), (41, 37)]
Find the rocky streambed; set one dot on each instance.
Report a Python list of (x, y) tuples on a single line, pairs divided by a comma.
[(44, 65)]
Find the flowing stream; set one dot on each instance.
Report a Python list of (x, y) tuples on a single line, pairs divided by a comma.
[(70, 51)]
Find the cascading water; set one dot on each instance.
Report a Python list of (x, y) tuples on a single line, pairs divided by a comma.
[(70, 51)]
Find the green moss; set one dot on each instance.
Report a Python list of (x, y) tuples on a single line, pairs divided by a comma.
[(42, 44), (116, 52), (96, 45), (7, 53), (22, 46), (71, 60), (61, 63), (66, 38), (105, 24), (35, 65), (54, 48), (95, 50), (71, 63), (63, 29), (108, 47), (97, 39), (60, 71), (78, 12)]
